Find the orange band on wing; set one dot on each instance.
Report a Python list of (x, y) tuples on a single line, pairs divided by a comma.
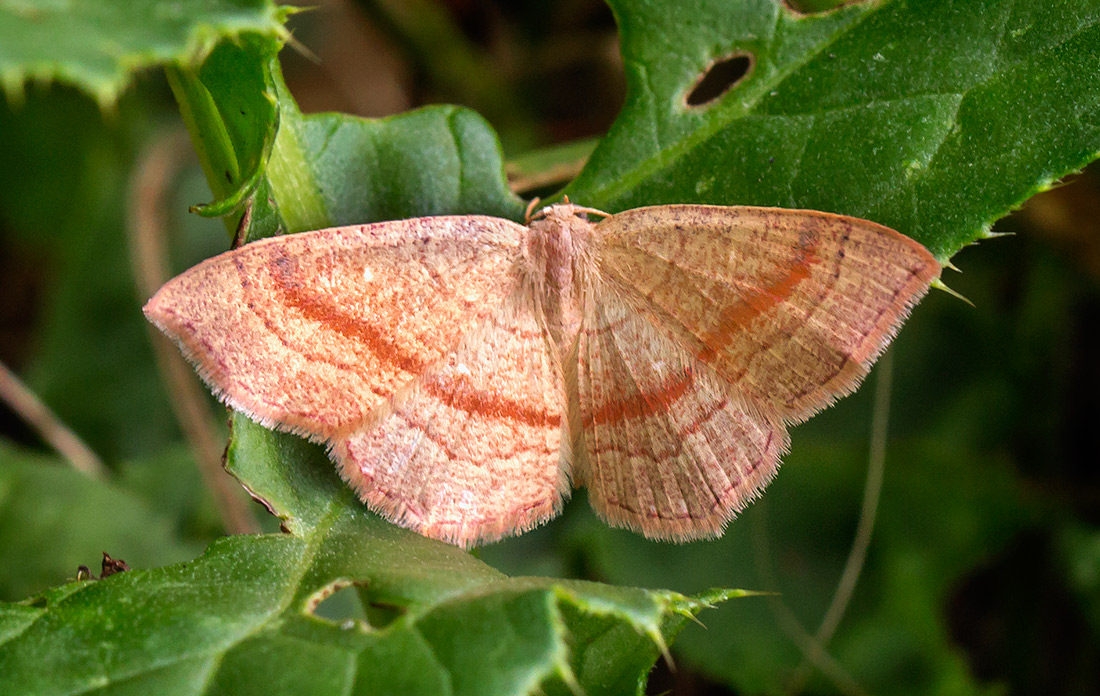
[(644, 403), (735, 317), (298, 296), (490, 405)]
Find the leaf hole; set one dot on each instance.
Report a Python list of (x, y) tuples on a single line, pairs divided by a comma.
[(339, 603), (721, 76), (814, 7), (345, 603)]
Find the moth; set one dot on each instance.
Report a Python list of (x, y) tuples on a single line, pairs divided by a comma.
[(467, 371)]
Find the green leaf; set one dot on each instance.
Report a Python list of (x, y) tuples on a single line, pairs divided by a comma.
[(239, 619), (233, 129), (98, 46), (54, 519), (933, 117), (338, 169), (333, 169)]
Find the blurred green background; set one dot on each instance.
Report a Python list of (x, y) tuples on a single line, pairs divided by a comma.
[(983, 570)]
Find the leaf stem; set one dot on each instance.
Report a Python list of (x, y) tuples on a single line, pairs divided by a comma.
[(872, 493), (812, 650), (208, 132), (288, 173)]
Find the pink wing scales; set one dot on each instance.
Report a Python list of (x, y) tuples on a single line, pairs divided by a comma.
[(310, 332), (789, 307), (667, 450), (472, 450)]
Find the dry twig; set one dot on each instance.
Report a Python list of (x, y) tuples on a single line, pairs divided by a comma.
[(147, 225)]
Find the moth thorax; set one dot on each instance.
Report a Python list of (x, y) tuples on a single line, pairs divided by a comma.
[(557, 248)]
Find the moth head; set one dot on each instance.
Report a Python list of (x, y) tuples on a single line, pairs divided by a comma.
[(563, 210)]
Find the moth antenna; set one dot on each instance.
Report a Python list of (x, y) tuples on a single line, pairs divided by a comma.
[(529, 213), (590, 211)]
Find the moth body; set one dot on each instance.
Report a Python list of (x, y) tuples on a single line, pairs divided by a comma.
[(558, 257)]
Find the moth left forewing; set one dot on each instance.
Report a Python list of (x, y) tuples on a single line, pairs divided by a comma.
[(310, 332), (789, 307), (473, 449)]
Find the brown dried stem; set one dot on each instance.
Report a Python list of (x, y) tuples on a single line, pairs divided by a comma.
[(49, 427), (147, 227), (872, 492), (812, 650)]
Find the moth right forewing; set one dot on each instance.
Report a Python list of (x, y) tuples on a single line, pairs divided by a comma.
[(790, 307)]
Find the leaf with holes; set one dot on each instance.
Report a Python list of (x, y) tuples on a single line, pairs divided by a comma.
[(239, 619), (907, 113), (933, 117)]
